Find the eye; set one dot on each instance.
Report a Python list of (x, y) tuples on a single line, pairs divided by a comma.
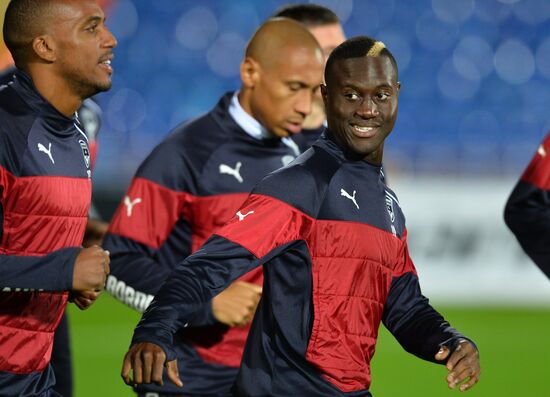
[(92, 28), (294, 87), (382, 96), (351, 96)]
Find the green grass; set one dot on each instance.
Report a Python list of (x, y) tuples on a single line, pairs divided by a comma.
[(514, 346)]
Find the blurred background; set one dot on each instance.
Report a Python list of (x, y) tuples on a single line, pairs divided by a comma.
[(474, 106)]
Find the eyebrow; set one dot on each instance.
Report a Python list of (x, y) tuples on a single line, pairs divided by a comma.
[(94, 18)]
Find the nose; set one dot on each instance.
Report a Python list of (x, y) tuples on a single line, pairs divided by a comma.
[(303, 102), (368, 109), (109, 39)]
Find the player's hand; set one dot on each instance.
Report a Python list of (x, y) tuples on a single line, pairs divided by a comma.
[(463, 365), (147, 361), (91, 269), (236, 305), (83, 299), (95, 231)]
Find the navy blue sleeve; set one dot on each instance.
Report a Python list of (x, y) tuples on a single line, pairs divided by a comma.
[(193, 283), (53, 272), (149, 234), (416, 325), (527, 214)]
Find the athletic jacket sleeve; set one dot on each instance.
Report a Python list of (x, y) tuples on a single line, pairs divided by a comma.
[(416, 325), (261, 232), (527, 212), (53, 272), (149, 234)]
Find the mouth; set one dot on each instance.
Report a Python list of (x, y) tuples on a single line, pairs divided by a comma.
[(105, 63), (364, 131), (294, 126)]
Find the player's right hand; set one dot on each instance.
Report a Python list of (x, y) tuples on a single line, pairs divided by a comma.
[(236, 305), (91, 269), (146, 361)]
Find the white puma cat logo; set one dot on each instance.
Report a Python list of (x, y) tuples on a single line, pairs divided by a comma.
[(541, 151), (346, 195), (225, 169), (48, 151), (130, 204), (242, 216)]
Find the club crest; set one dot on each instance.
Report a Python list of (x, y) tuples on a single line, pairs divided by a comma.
[(85, 152)]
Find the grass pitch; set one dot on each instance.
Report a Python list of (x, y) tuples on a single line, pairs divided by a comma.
[(514, 346)]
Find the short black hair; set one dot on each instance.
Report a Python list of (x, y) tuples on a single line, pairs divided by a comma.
[(358, 47), (22, 23), (308, 14)]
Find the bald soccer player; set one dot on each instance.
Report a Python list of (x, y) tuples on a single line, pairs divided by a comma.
[(195, 181)]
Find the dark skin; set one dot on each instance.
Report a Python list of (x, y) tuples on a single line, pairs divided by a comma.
[(361, 99)]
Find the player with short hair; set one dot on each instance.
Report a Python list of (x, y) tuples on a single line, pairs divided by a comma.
[(331, 238), (62, 51), (195, 181), (327, 29), (527, 211)]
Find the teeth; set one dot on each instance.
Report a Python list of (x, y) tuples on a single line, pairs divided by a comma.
[(107, 62), (362, 129)]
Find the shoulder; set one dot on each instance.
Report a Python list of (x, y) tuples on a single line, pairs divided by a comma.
[(183, 152), (16, 121), (303, 183)]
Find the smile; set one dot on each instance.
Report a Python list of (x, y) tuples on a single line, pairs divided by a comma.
[(363, 131)]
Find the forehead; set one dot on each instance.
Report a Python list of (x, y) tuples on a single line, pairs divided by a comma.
[(365, 71), (67, 12), (330, 35)]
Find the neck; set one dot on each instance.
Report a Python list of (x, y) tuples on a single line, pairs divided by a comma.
[(244, 100), (56, 91)]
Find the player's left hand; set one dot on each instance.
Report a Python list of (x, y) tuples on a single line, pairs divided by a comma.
[(84, 299), (462, 363)]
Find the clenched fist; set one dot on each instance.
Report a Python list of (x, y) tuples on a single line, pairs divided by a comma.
[(91, 269), (236, 305)]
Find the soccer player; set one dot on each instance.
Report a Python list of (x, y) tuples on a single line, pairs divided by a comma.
[(332, 241), (527, 211), (62, 52), (327, 30), (89, 116), (195, 181)]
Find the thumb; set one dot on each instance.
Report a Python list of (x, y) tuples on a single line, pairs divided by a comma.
[(173, 373), (442, 354)]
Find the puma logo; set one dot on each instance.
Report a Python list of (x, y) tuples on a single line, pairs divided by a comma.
[(242, 216), (130, 204), (225, 169), (48, 151), (346, 195), (541, 151)]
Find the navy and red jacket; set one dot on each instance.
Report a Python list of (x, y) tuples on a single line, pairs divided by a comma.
[(45, 191), (527, 211), (190, 185), (332, 241)]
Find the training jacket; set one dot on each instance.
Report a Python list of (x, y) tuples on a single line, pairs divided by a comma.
[(189, 186), (332, 241), (527, 211), (45, 192)]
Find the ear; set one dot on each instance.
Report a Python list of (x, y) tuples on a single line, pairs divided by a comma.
[(398, 87), (324, 94), (44, 48), (250, 72)]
